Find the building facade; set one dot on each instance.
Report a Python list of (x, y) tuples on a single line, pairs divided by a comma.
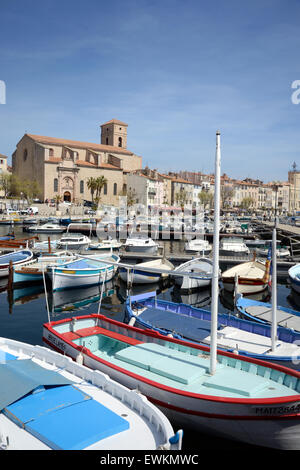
[(63, 167)]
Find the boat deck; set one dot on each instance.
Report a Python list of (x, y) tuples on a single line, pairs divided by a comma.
[(185, 368), (197, 329), (61, 411), (285, 319)]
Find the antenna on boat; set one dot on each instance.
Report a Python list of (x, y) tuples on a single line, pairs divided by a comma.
[(215, 274)]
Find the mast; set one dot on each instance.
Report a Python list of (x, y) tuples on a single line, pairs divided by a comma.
[(274, 287), (215, 277)]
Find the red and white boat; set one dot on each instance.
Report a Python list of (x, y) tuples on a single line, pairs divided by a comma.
[(245, 399)]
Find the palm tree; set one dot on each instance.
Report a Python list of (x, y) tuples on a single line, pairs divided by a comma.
[(101, 181), (92, 186), (57, 199)]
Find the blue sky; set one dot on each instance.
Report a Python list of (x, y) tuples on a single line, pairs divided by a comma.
[(175, 71)]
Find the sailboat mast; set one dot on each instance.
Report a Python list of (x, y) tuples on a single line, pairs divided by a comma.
[(215, 276), (274, 288)]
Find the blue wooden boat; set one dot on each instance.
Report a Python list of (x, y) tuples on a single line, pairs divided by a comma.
[(234, 334), (261, 312), (16, 258), (85, 271), (294, 277), (49, 402)]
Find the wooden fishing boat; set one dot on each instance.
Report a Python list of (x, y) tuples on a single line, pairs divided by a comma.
[(245, 337), (247, 278), (294, 277), (33, 270), (16, 258), (49, 402), (262, 312), (138, 274), (245, 399), (198, 266), (204, 388), (84, 271)]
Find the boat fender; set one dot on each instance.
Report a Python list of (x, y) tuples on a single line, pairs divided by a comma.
[(132, 321), (79, 358), (169, 335), (236, 350)]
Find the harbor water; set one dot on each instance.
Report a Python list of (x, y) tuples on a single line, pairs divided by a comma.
[(24, 310)]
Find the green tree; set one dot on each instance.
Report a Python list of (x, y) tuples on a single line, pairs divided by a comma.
[(247, 202), (101, 181), (206, 198), (181, 198), (92, 185), (5, 183)]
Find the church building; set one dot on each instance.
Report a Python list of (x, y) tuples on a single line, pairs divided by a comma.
[(63, 167)]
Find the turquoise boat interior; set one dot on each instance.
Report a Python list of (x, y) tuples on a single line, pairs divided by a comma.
[(180, 366)]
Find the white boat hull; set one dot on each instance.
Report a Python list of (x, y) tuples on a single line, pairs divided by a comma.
[(65, 280)]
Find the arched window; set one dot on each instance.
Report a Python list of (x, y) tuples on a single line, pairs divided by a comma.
[(51, 153), (106, 140), (55, 185), (105, 189), (81, 186), (120, 141), (115, 189), (25, 155)]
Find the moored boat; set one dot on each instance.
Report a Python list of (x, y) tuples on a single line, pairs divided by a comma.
[(234, 334), (198, 245), (49, 402), (46, 228), (16, 258), (74, 241), (294, 277), (262, 312), (197, 266), (245, 399), (141, 245), (33, 270), (247, 278), (140, 273), (84, 271), (233, 247)]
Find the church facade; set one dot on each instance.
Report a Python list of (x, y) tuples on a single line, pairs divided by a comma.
[(63, 167)]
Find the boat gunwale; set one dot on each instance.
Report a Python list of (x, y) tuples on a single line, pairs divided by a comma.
[(247, 401)]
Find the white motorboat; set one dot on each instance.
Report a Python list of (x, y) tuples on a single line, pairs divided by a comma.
[(46, 228), (50, 402), (199, 266), (198, 245), (138, 274), (281, 252), (233, 247), (109, 244), (74, 241), (141, 245)]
